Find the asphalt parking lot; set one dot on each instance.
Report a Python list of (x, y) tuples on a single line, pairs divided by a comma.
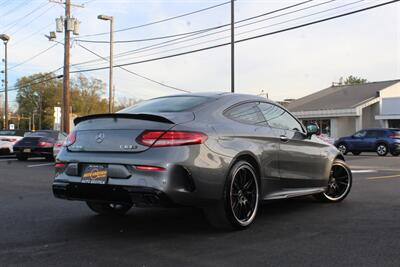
[(38, 230)]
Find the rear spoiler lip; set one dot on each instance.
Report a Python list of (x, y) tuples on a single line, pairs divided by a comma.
[(139, 116)]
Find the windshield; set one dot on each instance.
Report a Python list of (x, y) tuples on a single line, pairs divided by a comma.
[(167, 104)]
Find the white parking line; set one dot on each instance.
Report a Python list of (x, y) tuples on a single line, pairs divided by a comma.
[(363, 171), (39, 165)]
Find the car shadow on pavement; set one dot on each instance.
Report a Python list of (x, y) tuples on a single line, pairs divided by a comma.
[(154, 222)]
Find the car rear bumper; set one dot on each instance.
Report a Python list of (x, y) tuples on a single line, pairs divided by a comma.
[(34, 151), (395, 148), (187, 177), (140, 196)]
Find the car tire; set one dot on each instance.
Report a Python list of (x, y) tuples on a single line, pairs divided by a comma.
[(356, 153), (395, 154), (21, 157), (343, 148), (49, 158), (109, 208), (337, 190), (381, 149), (237, 209)]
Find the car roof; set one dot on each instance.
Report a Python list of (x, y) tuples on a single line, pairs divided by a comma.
[(218, 95)]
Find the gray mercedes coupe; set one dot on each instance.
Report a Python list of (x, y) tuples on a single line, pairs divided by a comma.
[(221, 152)]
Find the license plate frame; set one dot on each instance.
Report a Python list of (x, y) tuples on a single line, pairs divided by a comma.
[(95, 174)]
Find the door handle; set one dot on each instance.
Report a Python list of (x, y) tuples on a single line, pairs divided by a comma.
[(284, 138)]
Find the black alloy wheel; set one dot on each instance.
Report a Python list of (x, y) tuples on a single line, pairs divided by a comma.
[(239, 204), (339, 184), (244, 195)]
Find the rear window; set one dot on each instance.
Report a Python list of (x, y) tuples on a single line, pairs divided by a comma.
[(42, 134), (8, 133), (167, 104)]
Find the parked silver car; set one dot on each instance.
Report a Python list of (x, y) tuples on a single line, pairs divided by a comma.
[(222, 152)]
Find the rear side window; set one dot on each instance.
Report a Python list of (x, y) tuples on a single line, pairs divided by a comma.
[(279, 118), (375, 133), (167, 104), (248, 113)]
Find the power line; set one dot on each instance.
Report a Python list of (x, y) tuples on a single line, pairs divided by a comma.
[(245, 32), (151, 38), (12, 24), (201, 30), (160, 21), (33, 19), (32, 34), (136, 74), (184, 39), (34, 83), (245, 39), (172, 42), (5, 3), (14, 9), (33, 57)]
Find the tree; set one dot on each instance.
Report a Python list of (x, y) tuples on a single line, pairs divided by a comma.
[(86, 95), (351, 80), (37, 96), (125, 102)]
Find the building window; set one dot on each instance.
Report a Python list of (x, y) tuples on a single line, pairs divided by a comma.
[(394, 123), (324, 125)]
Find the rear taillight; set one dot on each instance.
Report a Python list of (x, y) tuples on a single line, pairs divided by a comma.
[(59, 167), (171, 138), (58, 145), (71, 138), (45, 144), (394, 136)]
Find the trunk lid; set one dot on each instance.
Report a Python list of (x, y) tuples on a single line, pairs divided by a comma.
[(118, 132), (29, 142)]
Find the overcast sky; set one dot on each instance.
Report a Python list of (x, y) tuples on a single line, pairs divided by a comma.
[(286, 65)]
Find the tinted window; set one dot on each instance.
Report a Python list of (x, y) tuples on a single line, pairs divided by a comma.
[(248, 113), (6, 132), (167, 104), (360, 134), (374, 133), (43, 134), (279, 118)]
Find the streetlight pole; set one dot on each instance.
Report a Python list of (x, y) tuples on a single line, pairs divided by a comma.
[(5, 39), (232, 46), (111, 61)]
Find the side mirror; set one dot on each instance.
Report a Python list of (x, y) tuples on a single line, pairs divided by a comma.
[(312, 129)]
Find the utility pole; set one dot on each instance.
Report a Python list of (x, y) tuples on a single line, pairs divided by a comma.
[(110, 81), (67, 25), (232, 46), (5, 39), (66, 78)]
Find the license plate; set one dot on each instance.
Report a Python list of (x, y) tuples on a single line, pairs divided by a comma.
[(95, 174), (27, 150)]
